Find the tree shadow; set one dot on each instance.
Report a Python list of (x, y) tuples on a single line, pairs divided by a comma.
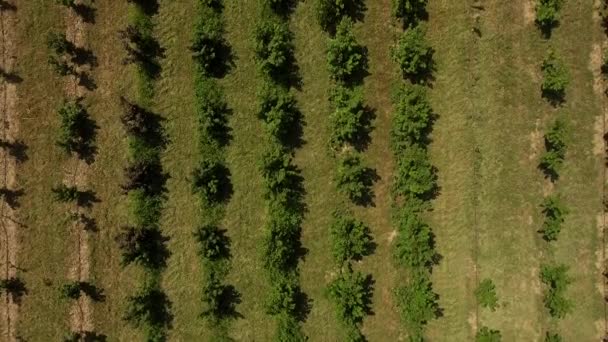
[(289, 76), (142, 50), (89, 224), (10, 77), (146, 246), (150, 307), (549, 173), (87, 131), (86, 198), (11, 197), (86, 12), (7, 6), (362, 138), (303, 305), (85, 336), (86, 80), (283, 8), (15, 287), (143, 124), (95, 293), (368, 178), (148, 7), (213, 55), (82, 56), (546, 30), (16, 149), (556, 98), (228, 301)]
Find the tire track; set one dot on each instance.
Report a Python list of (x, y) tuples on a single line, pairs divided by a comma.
[(8, 133)]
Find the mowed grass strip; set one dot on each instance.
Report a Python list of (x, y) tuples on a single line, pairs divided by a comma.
[(452, 152), (46, 244)]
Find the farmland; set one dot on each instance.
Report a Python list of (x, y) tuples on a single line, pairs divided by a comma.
[(267, 170)]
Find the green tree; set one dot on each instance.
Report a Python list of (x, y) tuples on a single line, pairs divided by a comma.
[(353, 178), (349, 121), (486, 334), (413, 54), (64, 194), (555, 149), (415, 246), (74, 135), (279, 111), (351, 238), (417, 304), (351, 293), (412, 118), (547, 14), (554, 211), (346, 58), (273, 47), (556, 280), (71, 290), (213, 243), (410, 11), (486, 294), (553, 337), (415, 176), (555, 78), (330, 12), (212, 181)]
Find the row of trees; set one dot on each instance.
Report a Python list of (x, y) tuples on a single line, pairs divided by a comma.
[(76, 138), (141, 241), (283, 190), (212, 58), (415, 181), (350, 125), (555, 81)]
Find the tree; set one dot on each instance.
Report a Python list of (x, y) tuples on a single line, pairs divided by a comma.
[(212, 111), (415, 245), (283, 298), (59, 44), (417, 304), (413, 54), (351, 238), (353, 178), (14, 287), (71, 290), (209, 48), (330, 12), (412, 118), (556, 280), (553, 337), (346, 58), (348, 122), (150, 306), (211, 180), (145, 246), (555, 149), (144, 175), (486, 294), (63, 193), (74, 133), (486, 334), (554, 212), (282, 180), (213, 242), (547, 14), (279, 111), (410, 11), (351, 293), (555, 78), (273, 47), (415, 176)]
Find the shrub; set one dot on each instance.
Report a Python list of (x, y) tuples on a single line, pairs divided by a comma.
[(486, 294), (149, 307), (211, 179), (146, 208), (555, 78), (59, 44), (71, 290), (273, 47), (415, 246), (212, 111), (554, 212), (281, 244), (412, 119), (209, 48), (351, 238), (555, 149), (410, 11), (547, 13), (279, 111), (351, 292), (415, 176), (353, 178), (330, 12), (217, 299), (61, 67), (349, 122), (556, 280), (417, 304), (213, 243), (146, 246), (346, 58), (282, 180), (553, 337), (283, 298), (288, 329), (74, 135), (413, 54), (486, 334), (63, 193)]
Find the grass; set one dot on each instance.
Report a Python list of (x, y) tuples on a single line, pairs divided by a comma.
[(487, 96)]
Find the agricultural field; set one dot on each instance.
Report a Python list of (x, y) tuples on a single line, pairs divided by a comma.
[(303, 170)]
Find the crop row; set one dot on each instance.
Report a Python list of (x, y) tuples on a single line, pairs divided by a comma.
[(211, 179)]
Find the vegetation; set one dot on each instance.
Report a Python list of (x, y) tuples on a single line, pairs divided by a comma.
[(547, 14), (486, 334), (413, 54), (415, 246), (409, 11), (486, 294), (273, 48), (553, 337), (556, 281), (346, 58), (354, 179), (63, 193), (351, 293), (412, 118), (555, 149), (76, 130), (417, 304), (349, 122), (331, 12), (351, 238), (555, 78), (554, 211), (279, 112)]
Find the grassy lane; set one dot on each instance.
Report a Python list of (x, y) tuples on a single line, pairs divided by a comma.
[(45, 245), (453, 152), (245, 213), (377, 33), (580, 182)]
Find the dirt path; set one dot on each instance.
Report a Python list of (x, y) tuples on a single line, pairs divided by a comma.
[(81, 311), (8, 133)]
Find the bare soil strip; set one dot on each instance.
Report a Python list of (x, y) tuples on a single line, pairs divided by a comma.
[(8, 132)]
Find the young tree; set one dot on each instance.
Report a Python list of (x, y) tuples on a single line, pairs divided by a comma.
[(555, 78), (273, 47), (486, 294), (346, 58), (554, 211), (556, 280), (413, 54), (211, 179), (71, 290), (415, 176), (212, 112), (547, 14), (213, 242), (412, 118), (63, 193), (353, 178), (417, 304), (486, 334), (59, 44), (279, 111), (351, 238), (330, 12), (351, 293), (151, 307), (415, 246), (553, 337), (74, 135), (409, 11), (555, 149)]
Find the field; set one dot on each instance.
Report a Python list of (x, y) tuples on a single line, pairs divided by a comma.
[(486, 143)]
